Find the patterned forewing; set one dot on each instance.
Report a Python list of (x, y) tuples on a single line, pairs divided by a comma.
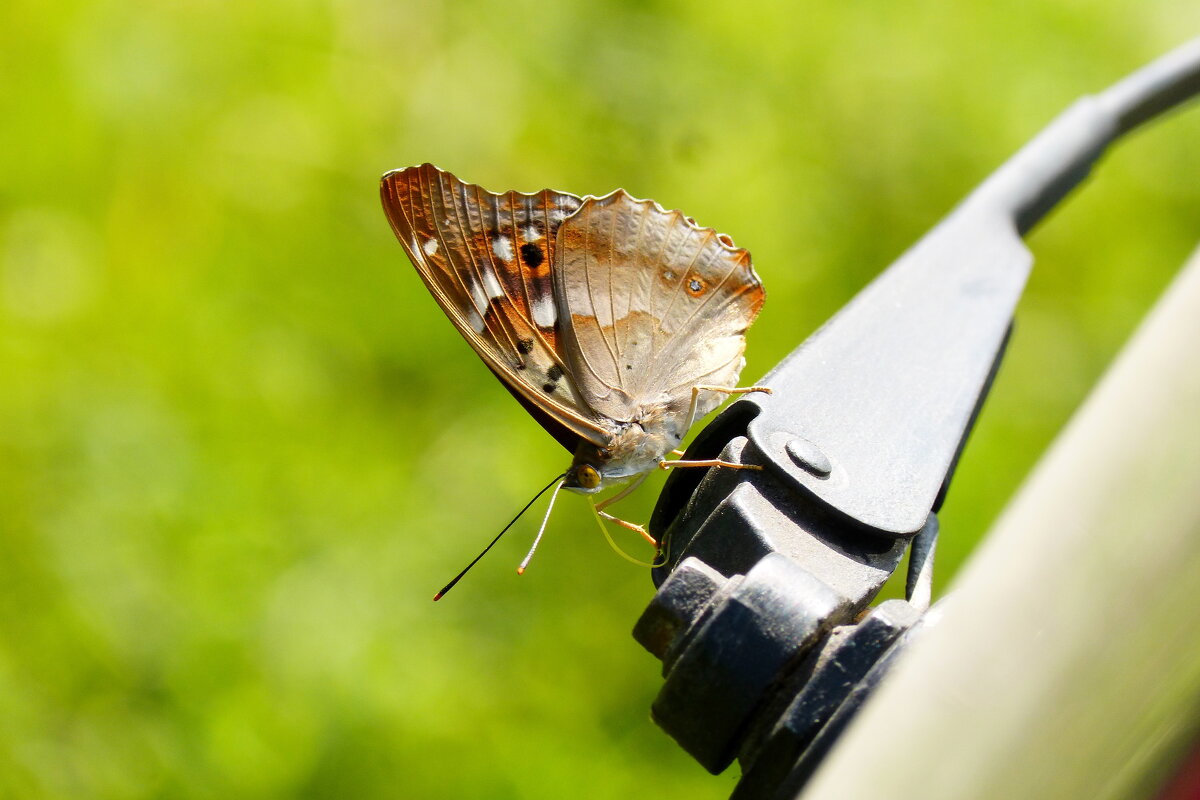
[(652, 304), (487, 259)]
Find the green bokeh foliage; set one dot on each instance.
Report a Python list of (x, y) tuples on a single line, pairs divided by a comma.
[(240, 447)]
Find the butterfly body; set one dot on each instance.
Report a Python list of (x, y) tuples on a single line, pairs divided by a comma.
[(635, 448), (602, 315)]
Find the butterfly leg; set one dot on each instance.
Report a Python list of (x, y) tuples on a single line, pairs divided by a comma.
[(704, 387), (709, 462), (630, 526), (692, 418), (621, 495)]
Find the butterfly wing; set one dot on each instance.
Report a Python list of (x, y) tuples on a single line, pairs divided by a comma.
[(487, 260), (652, 305)]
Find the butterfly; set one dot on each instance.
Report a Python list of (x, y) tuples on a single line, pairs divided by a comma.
[(614, 322)]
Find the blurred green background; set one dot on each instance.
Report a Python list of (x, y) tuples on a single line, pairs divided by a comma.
[(240, 447)]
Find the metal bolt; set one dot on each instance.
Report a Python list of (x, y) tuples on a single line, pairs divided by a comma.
[(678, 603)]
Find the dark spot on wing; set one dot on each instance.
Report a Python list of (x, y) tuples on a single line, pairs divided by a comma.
[(531, 254), (524, 346), (549, 387), (555, 372), (629, 366)]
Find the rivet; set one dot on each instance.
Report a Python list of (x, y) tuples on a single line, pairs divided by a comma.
[(808, 457)]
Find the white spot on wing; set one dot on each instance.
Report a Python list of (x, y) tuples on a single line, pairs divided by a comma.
[(532, 234), (544, 315), (475, 320), (491, 285), (502, 247), (430, 247), (478, 299)]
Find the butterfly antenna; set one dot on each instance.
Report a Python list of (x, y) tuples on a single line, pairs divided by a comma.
[(460, 575), (541, 530)]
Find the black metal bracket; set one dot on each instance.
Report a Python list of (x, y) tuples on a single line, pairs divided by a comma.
[(761, 616)]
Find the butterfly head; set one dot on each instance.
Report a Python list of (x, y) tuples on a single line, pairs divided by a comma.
[(583, 478), (586, 473)]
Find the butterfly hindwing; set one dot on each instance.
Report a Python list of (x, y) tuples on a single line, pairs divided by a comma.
[(488, 260), (652, 305)]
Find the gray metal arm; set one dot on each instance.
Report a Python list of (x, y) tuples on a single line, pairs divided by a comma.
[(757, 617)]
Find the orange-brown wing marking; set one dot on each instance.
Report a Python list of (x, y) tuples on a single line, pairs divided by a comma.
[(487, 259)]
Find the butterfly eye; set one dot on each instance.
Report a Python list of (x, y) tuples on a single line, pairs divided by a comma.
[(587, 477)]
